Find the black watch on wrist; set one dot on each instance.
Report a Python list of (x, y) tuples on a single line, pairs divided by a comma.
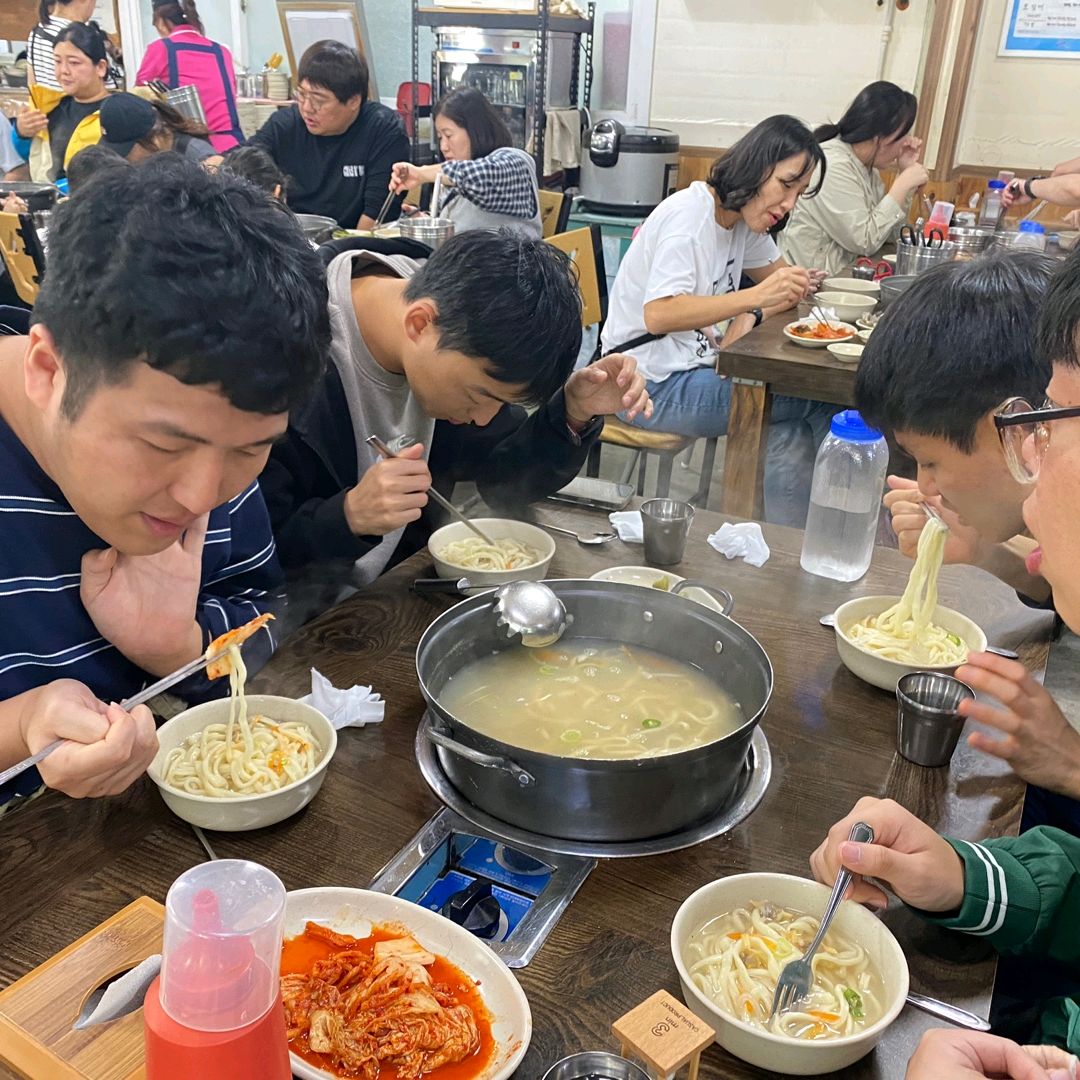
[(758, 314), (1027, 185)]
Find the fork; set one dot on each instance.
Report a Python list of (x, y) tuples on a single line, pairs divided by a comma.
[(798, 975)]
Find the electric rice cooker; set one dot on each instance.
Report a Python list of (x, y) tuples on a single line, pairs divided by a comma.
[(628, 170)]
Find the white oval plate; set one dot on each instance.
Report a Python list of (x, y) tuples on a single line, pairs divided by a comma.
[(644, 576), (810, 343), (353, 911)]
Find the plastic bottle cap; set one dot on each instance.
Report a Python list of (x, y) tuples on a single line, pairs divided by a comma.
[(996, 185), (850, 425), (1031, 227)]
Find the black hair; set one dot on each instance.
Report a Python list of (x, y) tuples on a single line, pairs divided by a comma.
[(178, 12), (229, 293), (89, 162), (88, 38), (257, 167), (170, 119), (1059, 319), (508, 300), (881, 110), (47, 8), (335, 67), (469, 109), (737, 176), (955, 345)]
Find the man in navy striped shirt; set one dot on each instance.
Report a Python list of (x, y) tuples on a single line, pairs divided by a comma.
[(183, 315)]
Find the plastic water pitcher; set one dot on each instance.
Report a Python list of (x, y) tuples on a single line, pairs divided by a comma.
[(845, 499), (215, 1010)]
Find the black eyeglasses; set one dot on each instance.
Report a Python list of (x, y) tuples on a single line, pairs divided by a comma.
[(1025, 434)]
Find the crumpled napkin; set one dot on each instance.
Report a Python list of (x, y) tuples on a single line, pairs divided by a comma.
[(354, 707), (627, 523), (741, 541), (125, 995)]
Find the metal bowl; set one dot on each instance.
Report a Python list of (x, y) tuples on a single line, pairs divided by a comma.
[(36, 196), (593, 798), (595, 1065), (317, 228), (892, 287), (426, 230), (971, 240)]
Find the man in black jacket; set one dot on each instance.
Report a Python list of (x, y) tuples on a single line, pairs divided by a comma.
[(446, 351)]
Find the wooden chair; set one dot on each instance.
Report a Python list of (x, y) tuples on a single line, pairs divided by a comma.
[(554, 212), (22, 255), (585, 248)]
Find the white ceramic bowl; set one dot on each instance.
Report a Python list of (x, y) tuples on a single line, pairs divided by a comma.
[(497, 529), (847, 305), (884, 673), (864, 335), (817, 343), (890, 259), (646, 576), (851, 285), (353, 911), (790, 1057), (243, 812), (848, 352)]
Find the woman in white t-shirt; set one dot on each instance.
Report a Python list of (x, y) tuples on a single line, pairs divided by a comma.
[(681, 277)]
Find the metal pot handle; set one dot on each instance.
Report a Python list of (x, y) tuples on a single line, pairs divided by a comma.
[(490, 761), (727, 601)]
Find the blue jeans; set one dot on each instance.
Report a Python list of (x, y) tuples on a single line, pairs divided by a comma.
[(696, 403)]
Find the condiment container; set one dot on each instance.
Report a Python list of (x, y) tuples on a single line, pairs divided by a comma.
[(1031, 236), (990, 211)]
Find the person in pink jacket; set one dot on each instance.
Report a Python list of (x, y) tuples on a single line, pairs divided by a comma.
[(184, 57)]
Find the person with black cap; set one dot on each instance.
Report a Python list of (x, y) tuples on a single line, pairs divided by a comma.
[(136, 128)]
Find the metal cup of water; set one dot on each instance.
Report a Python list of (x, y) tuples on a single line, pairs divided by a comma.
[(665, 525), (928, 725), (595, 1065)]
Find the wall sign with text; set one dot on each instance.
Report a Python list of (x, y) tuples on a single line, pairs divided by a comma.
[(1046, 28)]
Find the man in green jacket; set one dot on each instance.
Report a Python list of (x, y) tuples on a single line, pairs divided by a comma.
[(1022, 894)]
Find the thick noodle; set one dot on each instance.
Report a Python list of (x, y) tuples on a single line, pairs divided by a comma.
[(242, 756), (473, 553), (904, 632), (736, 960)]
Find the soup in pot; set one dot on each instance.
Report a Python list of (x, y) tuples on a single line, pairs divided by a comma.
[(591, 699)]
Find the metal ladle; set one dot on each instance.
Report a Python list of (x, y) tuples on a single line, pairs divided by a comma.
[(531, 609)]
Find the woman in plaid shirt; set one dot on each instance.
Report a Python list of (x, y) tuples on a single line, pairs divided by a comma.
[(492, 185)]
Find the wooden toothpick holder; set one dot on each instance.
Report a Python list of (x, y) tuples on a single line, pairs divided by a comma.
[(663, 1033)]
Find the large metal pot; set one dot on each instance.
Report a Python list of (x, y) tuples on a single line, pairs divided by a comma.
[(317, 228), (592, 799), (37, 196), (892, 287)]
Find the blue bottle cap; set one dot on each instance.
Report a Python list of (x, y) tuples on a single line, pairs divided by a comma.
[(996, 185), (851, 426), (1031, 227)]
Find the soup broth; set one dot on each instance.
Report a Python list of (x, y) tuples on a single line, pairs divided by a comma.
[(591, 699)]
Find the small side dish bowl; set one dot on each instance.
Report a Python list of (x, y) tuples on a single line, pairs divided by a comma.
[(848, 352), (497, 529), (648, 577), (851, 285), (847, 305), (240, 813), (817, 343), (778, 1053), (884, 673), (864, 335)]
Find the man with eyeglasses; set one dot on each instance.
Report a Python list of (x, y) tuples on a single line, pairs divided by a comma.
[(956, 350), (336, 146)]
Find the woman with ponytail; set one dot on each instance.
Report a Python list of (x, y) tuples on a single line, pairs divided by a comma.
[(185, 57), (853, 215), (53, 16), (62, 122)]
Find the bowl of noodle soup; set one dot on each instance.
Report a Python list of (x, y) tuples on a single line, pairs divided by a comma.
[(882, 665), (741, 928), (523, 552), (184, 734)]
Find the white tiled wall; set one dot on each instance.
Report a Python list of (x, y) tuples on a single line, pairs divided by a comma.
[(723, 65)]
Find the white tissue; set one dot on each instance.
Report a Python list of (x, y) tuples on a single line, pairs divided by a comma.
[(742, 541), (125, 995), (354, 707), (627, 523)]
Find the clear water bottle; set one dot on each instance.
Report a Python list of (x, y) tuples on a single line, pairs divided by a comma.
[(845, 499), (1030, 235)]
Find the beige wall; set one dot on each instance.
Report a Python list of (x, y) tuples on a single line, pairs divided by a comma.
[(723, 65), (1020, 112)]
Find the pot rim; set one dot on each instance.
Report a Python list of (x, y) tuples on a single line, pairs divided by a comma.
[(547, 760)]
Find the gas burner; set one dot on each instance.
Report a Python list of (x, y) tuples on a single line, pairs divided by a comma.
[(508, 896), (750, 790)]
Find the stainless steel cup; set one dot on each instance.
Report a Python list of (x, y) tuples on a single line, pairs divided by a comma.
[(665, 525), (595, 1065), (927, 724)]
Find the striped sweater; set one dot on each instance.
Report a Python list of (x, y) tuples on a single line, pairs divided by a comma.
[(47, 634)]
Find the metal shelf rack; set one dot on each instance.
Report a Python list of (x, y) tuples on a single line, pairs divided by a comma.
[(542, 23)]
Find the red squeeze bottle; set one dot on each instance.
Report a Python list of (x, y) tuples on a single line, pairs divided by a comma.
[(215, 1010)]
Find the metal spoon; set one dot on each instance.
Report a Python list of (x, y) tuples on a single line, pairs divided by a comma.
[(953, 1014), (531, 609), (581, 538)]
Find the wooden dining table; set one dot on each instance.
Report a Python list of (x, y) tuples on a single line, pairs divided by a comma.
[(67, 865), (761, 364)]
